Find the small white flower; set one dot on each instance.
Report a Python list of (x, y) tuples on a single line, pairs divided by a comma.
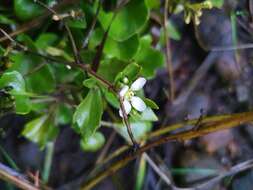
[(129, 98)]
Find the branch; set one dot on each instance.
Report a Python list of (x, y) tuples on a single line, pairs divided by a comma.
[(208, 125), (168, 52), (19, 180)]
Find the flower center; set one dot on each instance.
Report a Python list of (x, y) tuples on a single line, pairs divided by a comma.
[(129, 94)]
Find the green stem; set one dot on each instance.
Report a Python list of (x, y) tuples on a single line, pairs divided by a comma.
[(48, 161), (9, 160)]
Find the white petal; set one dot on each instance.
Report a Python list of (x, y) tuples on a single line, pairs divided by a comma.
[(123, 91), (138, 84), (138, 103), (127, 107)]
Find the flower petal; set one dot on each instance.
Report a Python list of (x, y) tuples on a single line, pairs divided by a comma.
[(127, 107), (123, 91), (138, 103), (138, 84)]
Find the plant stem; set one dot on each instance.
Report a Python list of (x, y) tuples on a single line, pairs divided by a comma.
[(168, 51), (48, 161)]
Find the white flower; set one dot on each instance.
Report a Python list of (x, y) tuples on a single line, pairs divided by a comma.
[(129, 98)]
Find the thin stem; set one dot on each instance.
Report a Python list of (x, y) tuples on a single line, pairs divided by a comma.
[(73, 44), (15, 178), (94, 21), (168, 52), (158, 170), (48, 161), (125, 119)]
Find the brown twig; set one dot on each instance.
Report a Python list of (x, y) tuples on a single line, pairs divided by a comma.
[(156, 168), (207, 127), (168, 52), (19, 180), (37, 21)]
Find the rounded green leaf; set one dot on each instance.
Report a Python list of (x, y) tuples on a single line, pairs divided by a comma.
[(40, 130), (149, 58), (88, 114), (122, 50), (15, 80), (27, 9), (93, 143), (46, 39), (40, 81), (129, 20)]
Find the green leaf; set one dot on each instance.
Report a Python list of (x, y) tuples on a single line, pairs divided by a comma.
[(22, 104), (217, 3), (111, 98), (109, 68), (149, 58), (150, 103), (96, 38), (41, 81), (90, 83), (125, 24), (64, 114), (27, 9), (93, 143), (139, 129), (6, 20), (27, 41), (122, 50), (153, 4), (131, 71), (40, 130), (15, 80), (77, 23), (148, 115), (172, 32), (46, 39), (88, 114)]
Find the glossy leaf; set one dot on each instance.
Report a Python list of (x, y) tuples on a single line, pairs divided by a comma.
[(79, 23), (27, 9), (46, 39), (90, 83), (40, 130), (111, 98), (131, 71), (149, 58), (64, 114), (93, 143), (15, 80), (40, 81), (88, 114), (153, 4), (122, 50), (109, 68), (150, 103), (126, 25)]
